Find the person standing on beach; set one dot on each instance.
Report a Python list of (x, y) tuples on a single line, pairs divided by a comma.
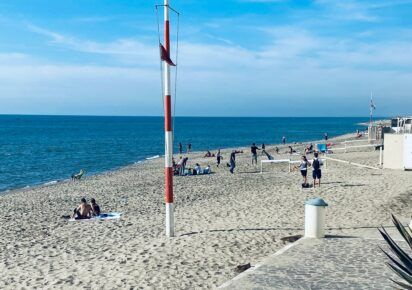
[(189, 147), (180, 148), (303, 167), (253, 149), (283, 140), (316, 173), (326, 136), (233, 160), (218, 158), (263, 148)]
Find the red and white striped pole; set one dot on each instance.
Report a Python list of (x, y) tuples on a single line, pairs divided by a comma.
[(170, 232)]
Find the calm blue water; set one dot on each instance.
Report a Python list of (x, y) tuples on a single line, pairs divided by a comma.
[(39, 149)]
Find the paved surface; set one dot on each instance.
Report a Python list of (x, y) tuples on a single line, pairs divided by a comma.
[(331, 263)]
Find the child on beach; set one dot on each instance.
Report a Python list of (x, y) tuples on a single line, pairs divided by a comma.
[(316, 173)]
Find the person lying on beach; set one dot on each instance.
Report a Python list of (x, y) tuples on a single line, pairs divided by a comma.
[(83, 211), (95, 207), (208, 154), (270, 157)]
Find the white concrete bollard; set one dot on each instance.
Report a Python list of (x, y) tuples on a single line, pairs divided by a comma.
[(315, 218)]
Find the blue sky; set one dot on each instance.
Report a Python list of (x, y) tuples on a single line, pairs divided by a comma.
[(236, 57)]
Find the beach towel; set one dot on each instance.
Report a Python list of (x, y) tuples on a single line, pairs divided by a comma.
[(101, 217)]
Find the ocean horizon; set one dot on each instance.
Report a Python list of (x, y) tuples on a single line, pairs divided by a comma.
[(40, 149)]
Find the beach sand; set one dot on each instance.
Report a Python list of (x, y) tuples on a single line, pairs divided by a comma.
[(222, 221)]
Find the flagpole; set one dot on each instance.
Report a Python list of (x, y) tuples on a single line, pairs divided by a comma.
[(371, 109), (168, 130)]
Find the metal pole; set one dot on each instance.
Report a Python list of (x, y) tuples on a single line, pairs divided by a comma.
[(380, 155), (168, 131)]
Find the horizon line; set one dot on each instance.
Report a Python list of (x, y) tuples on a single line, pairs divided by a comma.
[(184, 116)]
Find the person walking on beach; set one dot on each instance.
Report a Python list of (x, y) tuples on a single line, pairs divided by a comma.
[(283, 140), (253, 149), (218, 158), (316, 173), (180, 148), (233, 160), (189, 147), (277, 150)]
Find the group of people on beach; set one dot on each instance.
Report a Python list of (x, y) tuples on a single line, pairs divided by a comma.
[(181, 168), (316, 172), (188, 148), (86, 210)]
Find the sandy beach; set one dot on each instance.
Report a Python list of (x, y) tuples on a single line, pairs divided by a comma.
[(222, 220)]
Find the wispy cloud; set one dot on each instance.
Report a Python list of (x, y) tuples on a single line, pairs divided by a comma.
[(126, 50)]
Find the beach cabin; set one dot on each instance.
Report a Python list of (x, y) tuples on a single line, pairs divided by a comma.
[(398, 151), (401, 125)]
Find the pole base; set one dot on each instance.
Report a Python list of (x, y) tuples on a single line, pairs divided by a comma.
[(170, 221)]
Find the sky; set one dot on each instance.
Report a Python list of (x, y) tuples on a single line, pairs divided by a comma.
[(235, 57)]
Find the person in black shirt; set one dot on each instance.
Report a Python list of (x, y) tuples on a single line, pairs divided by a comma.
[(253, 150), (316, 173), (180, 148), (233, 160), (218, 157)]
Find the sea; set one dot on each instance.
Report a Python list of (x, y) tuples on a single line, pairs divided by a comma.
[(38, 150)]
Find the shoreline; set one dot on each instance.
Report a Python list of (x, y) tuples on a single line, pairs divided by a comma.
[(222, 220), (147, 159)]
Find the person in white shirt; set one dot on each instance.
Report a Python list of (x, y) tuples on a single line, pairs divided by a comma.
[(198, 169)]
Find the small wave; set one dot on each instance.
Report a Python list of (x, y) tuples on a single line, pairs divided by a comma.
[(153, 157), (51, 182)]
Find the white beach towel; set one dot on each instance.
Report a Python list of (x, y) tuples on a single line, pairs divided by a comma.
[(101, 217)]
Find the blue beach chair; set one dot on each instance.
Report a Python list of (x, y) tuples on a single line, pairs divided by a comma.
[(322, 148)]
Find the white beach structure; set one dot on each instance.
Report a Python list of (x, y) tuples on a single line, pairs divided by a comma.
[(398, 145)]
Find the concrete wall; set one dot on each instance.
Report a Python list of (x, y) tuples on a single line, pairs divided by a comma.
[(393, 153)]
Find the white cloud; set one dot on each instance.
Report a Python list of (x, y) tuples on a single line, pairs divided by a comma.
[(296, 67)]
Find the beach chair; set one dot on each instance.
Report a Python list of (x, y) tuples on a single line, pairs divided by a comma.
[(78, 176)]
